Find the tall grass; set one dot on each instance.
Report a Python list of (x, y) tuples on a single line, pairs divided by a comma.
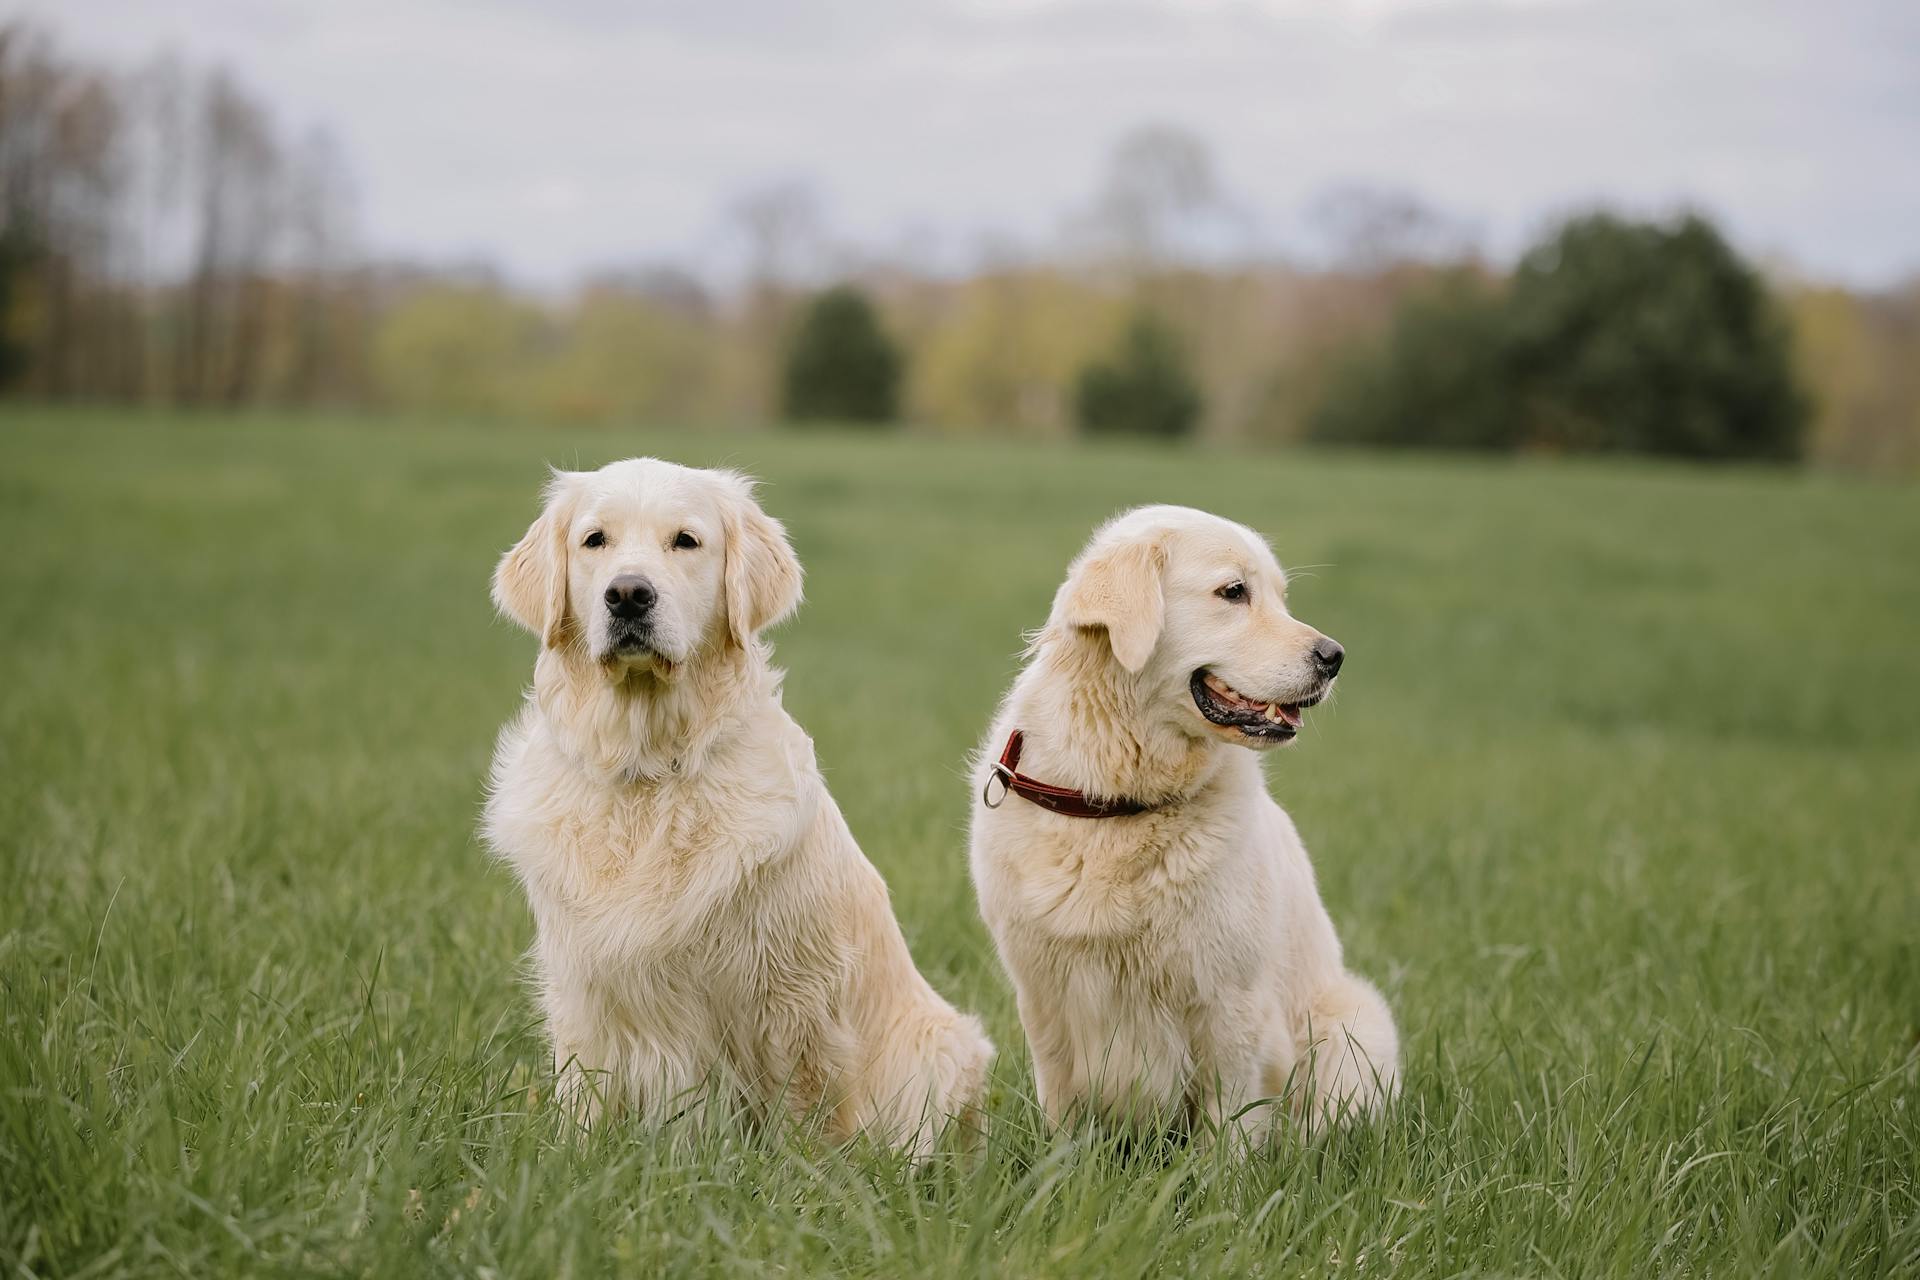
[(1619, 803)]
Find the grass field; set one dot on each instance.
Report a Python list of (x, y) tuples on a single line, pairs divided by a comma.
[(1620, 804)]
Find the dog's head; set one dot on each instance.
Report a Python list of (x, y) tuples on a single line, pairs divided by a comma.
[(647, 564), (1193, 609)]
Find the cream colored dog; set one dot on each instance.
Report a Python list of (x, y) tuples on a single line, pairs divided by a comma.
[(1176, 959), (706, 925)]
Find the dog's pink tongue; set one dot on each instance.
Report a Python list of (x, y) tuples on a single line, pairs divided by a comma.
[(1290, 714)]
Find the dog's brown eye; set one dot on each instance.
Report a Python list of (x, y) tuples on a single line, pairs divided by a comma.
[(1234, 591), (595, 539), (684, 541)]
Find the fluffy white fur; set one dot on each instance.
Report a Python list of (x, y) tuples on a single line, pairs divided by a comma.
[(706, 925), (1179, 960)]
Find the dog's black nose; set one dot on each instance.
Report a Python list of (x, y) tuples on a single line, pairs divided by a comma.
[(630, 596), (1328, 655)]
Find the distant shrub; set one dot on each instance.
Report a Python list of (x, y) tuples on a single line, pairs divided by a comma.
[(1612, 335), (841, 365), (1145, 388), (1440, 377), (1006, 354)]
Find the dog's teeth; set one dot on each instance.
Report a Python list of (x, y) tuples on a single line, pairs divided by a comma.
[(1271, 711)]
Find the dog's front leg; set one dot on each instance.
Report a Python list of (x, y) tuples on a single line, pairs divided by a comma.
[(813, 1080), (580, 1028), (1227, 1080), (583, 1061), (1059, 1074), (806, 1056), (580, 1089)]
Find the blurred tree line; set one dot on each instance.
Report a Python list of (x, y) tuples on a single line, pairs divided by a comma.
[(163, 240)]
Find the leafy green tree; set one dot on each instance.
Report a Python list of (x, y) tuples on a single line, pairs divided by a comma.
[(841, 365), (1651, 338), (1145, 388), (1611, 336)]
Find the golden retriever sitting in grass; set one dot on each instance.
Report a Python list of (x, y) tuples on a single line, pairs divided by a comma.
[(1154, 906), (705, 924)]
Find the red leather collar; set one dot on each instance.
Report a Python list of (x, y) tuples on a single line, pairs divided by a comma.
[(1061, 800)]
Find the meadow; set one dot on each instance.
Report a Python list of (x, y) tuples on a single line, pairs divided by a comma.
[(1619, 803)]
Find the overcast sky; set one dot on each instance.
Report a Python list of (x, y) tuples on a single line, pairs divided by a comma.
[(553, 136)]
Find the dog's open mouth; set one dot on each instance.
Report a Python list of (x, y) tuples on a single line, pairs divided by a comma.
[(1224, 705)]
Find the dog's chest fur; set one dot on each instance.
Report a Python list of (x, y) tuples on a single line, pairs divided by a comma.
[(1113, 878), (628, 872), (1108, 882), (1135, 917)]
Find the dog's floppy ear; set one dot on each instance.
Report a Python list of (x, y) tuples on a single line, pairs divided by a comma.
[(762, 574), (1119, 590), (530, 582)]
